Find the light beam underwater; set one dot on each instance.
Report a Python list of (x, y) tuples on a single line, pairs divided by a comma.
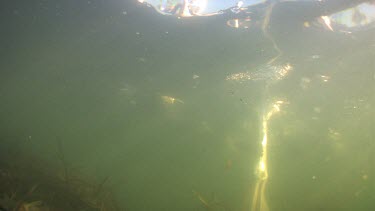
[(259, 202)]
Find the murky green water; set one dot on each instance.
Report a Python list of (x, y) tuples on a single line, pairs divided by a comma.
[(143, 98)]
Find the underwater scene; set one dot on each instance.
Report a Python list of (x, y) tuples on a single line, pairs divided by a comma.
[(187, 105)]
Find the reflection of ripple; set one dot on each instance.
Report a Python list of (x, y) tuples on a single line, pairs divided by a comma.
[(267, 72)]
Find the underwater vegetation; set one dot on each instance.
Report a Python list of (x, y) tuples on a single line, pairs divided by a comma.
[(29, 184)]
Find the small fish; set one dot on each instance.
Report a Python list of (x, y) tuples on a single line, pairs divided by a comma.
[(201, 199), (228, 164), (171, 100)]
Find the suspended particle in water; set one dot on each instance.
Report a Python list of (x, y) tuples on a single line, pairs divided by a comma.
[(365, 177), (317, 109), (305, 83), (324, 78)]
